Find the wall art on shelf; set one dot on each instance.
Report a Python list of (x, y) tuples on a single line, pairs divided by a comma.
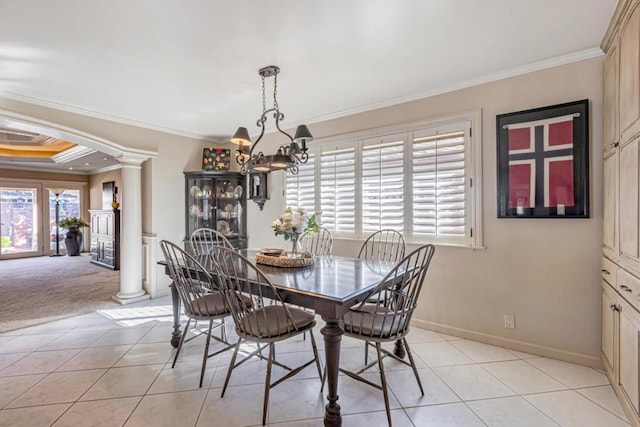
[(216, 159), (543, 162)]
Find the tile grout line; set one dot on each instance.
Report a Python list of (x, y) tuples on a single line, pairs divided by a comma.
[(606, 409)]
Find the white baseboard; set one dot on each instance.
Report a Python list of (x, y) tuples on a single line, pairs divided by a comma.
[(539, 350)]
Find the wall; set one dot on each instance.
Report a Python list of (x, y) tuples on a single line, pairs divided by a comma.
[(543, 271), (95, 187)]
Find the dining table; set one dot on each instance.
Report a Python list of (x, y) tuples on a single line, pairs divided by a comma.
[(329, 287)]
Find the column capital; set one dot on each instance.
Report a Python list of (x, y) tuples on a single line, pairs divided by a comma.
[(131, 159)]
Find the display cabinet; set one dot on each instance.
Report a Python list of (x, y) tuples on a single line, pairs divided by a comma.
[(216, 200)]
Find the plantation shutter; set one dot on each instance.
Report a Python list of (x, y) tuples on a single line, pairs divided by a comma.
[(382, 182), (439, 178), (338, 189), (300, 188)]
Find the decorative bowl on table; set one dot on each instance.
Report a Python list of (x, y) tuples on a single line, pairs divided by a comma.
[(283, 259), (271, 251)]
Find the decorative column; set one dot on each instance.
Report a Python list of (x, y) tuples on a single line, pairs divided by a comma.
[(131, 230)]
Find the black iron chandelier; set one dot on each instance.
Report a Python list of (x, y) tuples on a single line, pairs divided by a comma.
[(288, 156)]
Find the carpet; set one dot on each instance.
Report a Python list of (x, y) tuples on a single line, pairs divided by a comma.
[(42, 289)]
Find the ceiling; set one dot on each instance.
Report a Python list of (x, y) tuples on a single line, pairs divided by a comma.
[(191, 67)]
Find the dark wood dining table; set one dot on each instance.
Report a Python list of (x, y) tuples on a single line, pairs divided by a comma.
[(330, 287)]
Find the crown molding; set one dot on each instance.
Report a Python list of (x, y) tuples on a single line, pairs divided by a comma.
[(105, 116), (106, 169), (616, 21), (72, 154), (500, 75)]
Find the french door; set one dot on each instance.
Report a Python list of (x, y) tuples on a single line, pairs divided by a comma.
[(21, 216), (28, 216)]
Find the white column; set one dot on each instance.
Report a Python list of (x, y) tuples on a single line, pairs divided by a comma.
[(131, 231)]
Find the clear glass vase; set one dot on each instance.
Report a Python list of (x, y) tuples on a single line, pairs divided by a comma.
[(294, 246)]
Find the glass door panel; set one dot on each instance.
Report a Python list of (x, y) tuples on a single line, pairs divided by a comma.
[(229, 211), (69, 205), (19, 222)]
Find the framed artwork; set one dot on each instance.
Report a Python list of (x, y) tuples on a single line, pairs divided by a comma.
[(216, 159), (109, 191), (543, 162)]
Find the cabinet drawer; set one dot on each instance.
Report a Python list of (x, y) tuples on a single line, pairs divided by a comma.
[(608, 271), (628, 286)]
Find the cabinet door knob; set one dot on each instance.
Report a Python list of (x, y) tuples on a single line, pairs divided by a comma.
[(612, 306), (604, 271)]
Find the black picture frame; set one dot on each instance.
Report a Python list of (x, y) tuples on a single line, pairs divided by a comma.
[(216, 159), (543, 162)]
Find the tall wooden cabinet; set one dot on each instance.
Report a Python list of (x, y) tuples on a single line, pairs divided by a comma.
[(105, 238), (621, 215)]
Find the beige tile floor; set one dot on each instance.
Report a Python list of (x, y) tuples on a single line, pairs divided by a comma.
[(113, 368)]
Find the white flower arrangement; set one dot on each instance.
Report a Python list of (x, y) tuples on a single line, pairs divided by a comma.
[(294, 223)]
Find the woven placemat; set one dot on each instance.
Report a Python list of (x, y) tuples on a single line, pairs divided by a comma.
[(285, 261)]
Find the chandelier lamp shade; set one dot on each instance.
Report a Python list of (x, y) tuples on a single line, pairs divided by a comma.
[(289, 155)]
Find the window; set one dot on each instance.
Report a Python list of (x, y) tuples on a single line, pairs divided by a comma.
[(300, 188), (422, 180), (68, 205), (440, 184), (337, 189), (382, 183)]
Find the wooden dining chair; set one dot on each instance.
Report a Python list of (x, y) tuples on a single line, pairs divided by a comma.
[(203, 239), (383, 245), (199, 297), (318, 243), (387, 319), (261, 323)]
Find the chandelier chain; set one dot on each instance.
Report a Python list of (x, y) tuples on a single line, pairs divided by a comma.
[(275, 92), (264, 97)]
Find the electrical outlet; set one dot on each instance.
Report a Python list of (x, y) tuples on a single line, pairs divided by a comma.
[(509, 321)]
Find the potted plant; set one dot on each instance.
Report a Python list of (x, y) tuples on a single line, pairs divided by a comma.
[(73, 239)]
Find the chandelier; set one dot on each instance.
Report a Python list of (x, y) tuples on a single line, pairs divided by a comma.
[(289, 155)]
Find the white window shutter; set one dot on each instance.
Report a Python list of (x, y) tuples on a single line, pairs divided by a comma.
[(382, 184), (337, 191), (300, 188), (439, 185)]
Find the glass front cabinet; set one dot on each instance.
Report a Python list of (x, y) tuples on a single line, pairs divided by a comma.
[(216, 200)]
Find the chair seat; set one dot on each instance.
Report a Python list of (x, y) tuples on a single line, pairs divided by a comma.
[(370, 320), (271, 322), (214, 304)]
